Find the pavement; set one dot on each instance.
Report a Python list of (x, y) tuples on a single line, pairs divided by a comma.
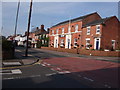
[(19, 60)]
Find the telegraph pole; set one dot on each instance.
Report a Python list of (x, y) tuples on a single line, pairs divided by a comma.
[(29, 18), (17, 18)]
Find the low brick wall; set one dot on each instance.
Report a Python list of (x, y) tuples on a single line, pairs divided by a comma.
[(100, 53), (7, 55), (86, 52)]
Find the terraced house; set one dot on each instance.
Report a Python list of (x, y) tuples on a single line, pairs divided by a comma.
[(88, 32)]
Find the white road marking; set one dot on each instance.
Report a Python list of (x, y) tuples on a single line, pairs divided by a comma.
[(8, 78), (48, 64), (43, 64), (88, 79), (50, 74), (21, 77), (107, 86), (58, 68), (4, 73), (11, 63), (52, 69), (64, 72), (16, 71)]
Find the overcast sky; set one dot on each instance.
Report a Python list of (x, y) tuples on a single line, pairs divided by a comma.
[(50, 13)]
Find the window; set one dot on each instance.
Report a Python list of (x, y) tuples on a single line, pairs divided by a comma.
[(97, 29), (75, 42), (88, 30), (113, 44), (52, 32), (42, 41), (87, 43), (57, 31), (62, 42), (68, 29), (52, 43), (76, 27), (46, 35), (62, 30)]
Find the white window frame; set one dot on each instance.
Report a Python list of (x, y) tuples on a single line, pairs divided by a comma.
[(57, 31), (75, 42), (97, 29), (113, 44), (52, 32), (76, 28), (88, 30), (69, 28), (43, 42), (63, 30), (52, 42), (87, 43), (46, 35)]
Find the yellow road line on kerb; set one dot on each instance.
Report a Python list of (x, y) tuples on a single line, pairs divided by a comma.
[(22, 66)]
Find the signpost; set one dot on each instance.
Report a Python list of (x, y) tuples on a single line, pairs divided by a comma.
[(29, 18)]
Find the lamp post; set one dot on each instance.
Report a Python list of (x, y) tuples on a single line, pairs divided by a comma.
[(29, 18)]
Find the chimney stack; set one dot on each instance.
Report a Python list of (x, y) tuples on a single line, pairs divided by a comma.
[(48, 30), (37, 28), (42, 26)]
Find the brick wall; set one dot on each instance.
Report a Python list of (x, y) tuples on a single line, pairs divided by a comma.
[(110, 32), (7, 55), (86, 52)]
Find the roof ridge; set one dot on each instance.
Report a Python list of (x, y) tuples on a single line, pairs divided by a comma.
[(82, 17)]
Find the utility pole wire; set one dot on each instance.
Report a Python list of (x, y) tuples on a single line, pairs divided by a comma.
[(17, 18), (29, 18)]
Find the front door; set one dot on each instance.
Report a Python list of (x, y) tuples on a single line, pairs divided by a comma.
[(56, 43), (68, 43), (97, 44), (113, 44)]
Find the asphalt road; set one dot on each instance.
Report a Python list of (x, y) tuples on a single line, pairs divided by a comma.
[(38, 76)]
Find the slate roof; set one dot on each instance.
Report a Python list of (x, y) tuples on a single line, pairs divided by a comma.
[(40, 31), (96, 22), (75, 19)]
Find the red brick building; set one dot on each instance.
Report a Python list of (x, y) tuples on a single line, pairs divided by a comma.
[(102, 34), (39, 36), (67, 34), (88, 32)]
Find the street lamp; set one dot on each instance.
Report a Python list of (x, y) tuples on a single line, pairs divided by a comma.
[(29, 18)]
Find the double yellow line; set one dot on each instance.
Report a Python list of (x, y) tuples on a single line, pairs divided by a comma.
[(22, 66)]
